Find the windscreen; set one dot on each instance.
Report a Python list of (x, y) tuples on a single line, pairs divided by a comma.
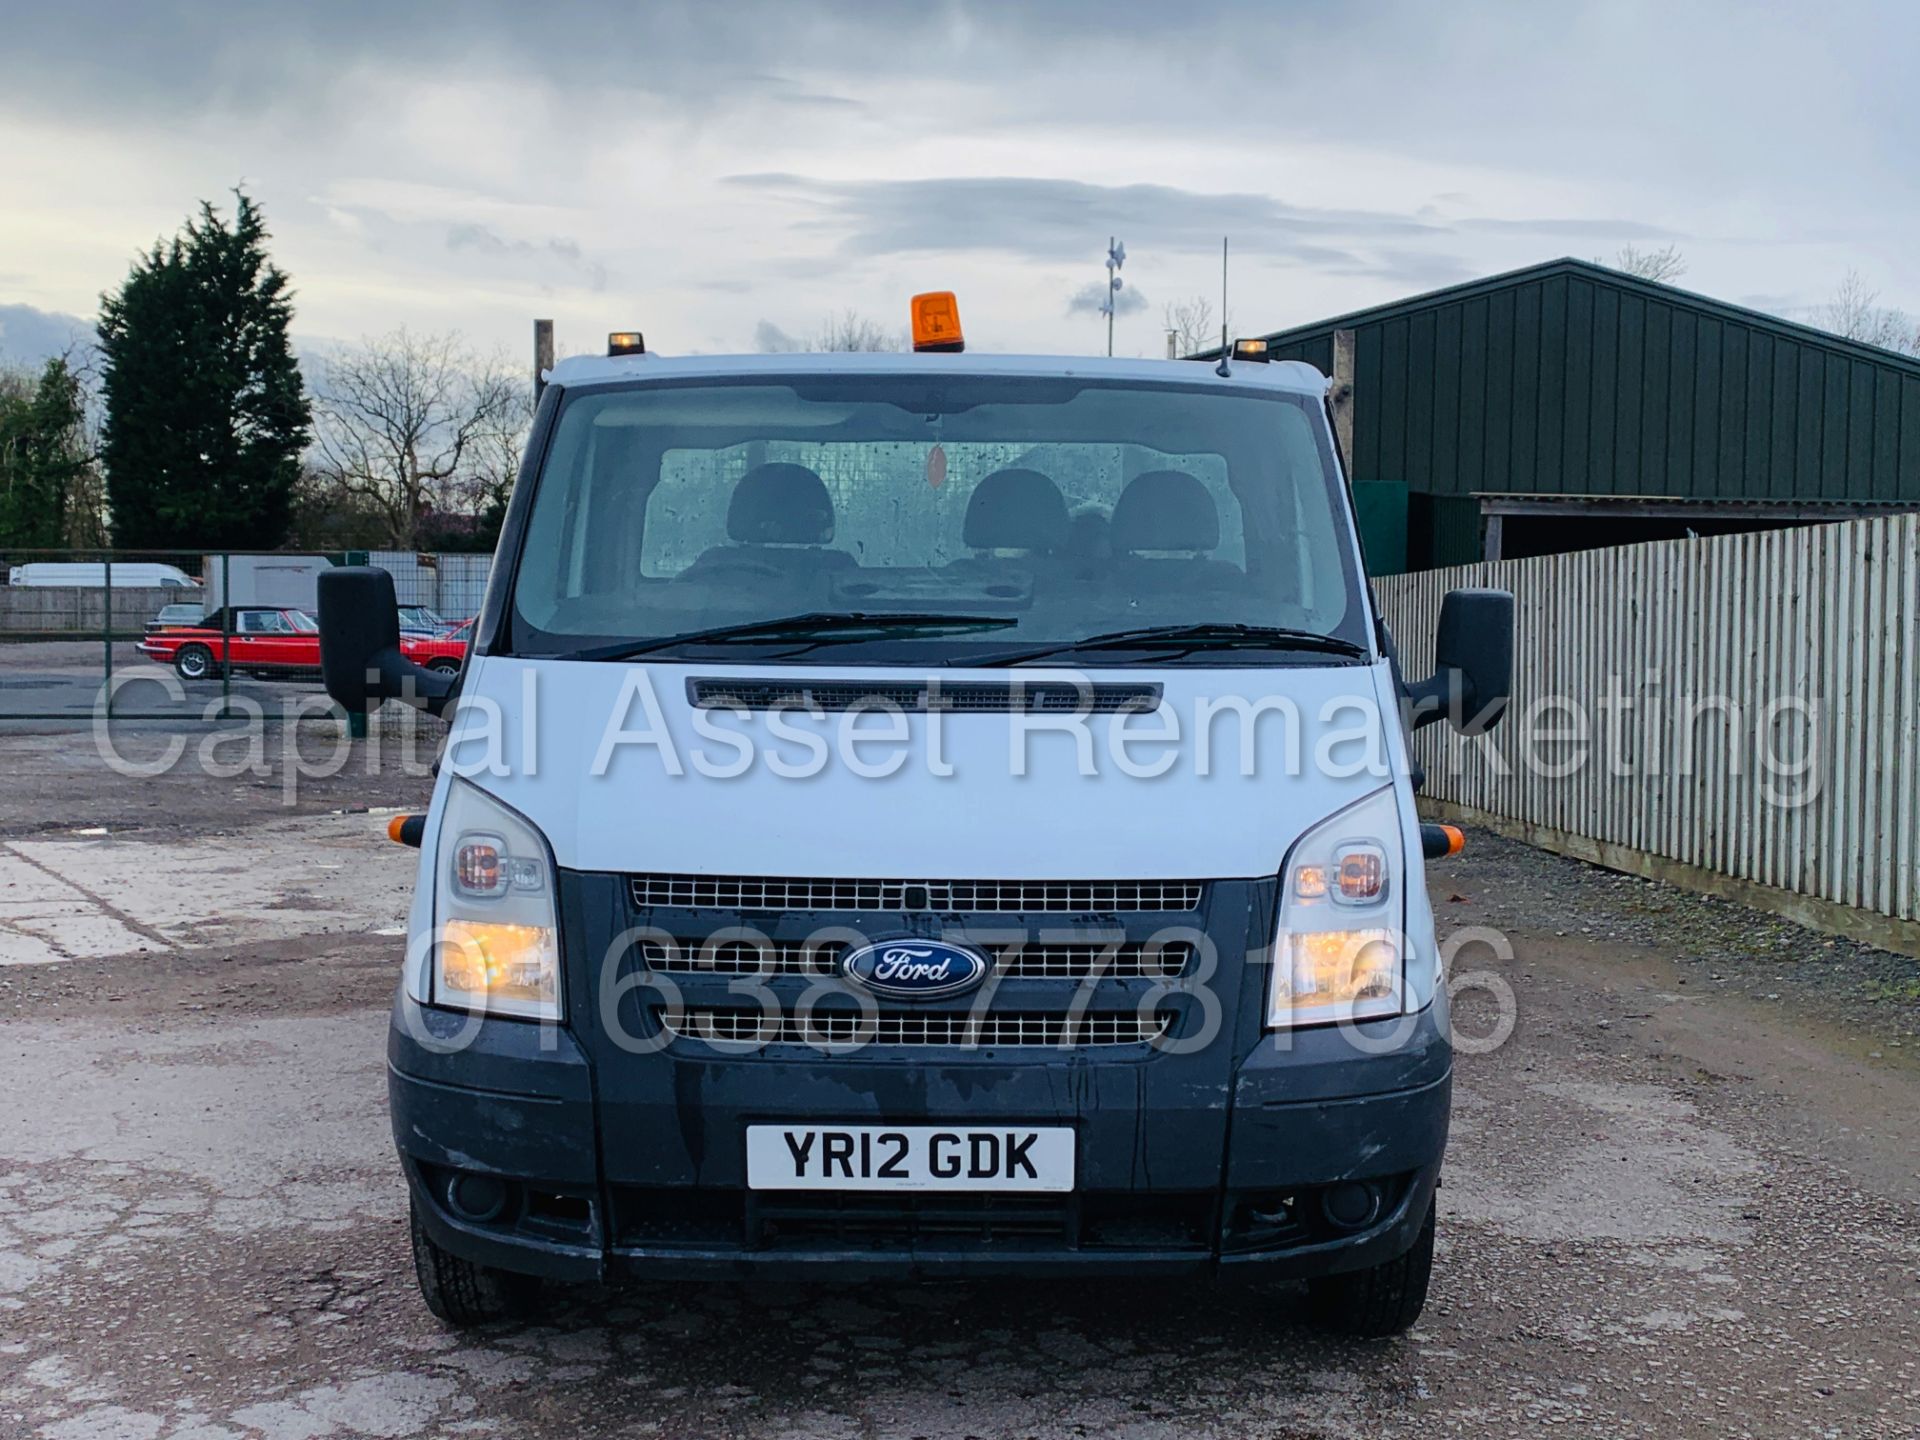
[(1045, 510)]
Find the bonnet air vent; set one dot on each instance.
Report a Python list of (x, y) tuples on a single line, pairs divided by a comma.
[(961, 697)]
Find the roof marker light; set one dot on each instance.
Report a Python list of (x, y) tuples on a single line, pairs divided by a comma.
[(626, 342), (1254, 350), (936, 322)]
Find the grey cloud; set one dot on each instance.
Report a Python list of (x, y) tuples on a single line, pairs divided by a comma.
[(469, 236), (1587, 98), (1584, 229), (484, 240), (787, 91), (30, 337), (1088, 299), (198, 56), (770, 339), (1060, 219), (1586, 89), (1415, 269), (1434, 79)]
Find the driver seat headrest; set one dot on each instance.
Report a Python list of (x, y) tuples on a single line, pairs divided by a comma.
[(1015, 509), (1162, 510), (780, 504)]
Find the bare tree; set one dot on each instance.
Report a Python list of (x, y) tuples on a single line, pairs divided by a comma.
[(847, 331), (412, 424), (850, 330), (496, 459), (1664, 265), (1190, 323), (1855, 312)]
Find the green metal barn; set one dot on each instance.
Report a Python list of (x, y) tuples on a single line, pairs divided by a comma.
[(1568, 406)]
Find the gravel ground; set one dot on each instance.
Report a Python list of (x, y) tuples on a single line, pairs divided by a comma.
[(1681, 1199), (1715, 943)]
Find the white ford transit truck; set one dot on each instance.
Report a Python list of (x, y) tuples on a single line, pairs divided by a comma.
[(924, 815)]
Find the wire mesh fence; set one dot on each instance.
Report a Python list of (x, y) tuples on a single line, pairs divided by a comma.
[(178, 635)]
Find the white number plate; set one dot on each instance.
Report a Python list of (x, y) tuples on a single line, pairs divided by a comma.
[(908, 1157)]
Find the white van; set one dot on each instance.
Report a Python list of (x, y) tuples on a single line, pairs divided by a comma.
[(924, 815), (94, 574)]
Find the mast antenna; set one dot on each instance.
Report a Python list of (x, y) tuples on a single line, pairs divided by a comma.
[(1223, 368)]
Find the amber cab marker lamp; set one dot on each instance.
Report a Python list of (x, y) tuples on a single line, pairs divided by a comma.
[(1254, 350), (626, 342), (936, 322)]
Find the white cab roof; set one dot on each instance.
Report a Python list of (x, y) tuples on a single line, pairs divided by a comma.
[(1294, 376)]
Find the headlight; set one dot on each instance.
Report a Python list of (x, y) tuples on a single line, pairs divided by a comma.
[(496, 944), (1339, 950)]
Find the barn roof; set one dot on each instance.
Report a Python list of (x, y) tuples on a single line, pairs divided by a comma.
[(1599, 275)]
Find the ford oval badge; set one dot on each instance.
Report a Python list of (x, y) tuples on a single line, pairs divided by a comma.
[(915, 969)]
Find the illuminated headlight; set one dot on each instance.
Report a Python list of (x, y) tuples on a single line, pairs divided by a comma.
[(1339, 951), (496, 945)]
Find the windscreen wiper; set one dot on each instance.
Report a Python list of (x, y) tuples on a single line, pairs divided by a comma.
[(810, 625), (1203, 635)]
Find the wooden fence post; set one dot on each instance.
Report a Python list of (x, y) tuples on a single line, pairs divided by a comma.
[(542, 355), (1340, 397)]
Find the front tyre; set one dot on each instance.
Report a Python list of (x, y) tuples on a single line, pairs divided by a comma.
[(461, 1293), (193, 662), (1381, 1301)]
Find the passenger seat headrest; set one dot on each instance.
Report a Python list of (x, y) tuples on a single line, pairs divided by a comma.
[(780, 504), (1165, 510), (1016, 510)]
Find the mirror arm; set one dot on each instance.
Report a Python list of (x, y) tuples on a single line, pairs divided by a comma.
[(1428, 699), (400, 679), (1416, 772)]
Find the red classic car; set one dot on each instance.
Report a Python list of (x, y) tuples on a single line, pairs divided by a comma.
[(274, 642), (445, 651), (249, 639)]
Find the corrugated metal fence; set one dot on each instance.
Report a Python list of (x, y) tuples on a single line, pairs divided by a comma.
[(1747, 705)]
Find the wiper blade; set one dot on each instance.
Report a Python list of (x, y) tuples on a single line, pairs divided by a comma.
[(809, 625), (1203, 635)]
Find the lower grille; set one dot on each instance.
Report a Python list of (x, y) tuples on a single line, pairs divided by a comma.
[(890, 1221), (665, 1218), (1025, 962), (956, 1030)]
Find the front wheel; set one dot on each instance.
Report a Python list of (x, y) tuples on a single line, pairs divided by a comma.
[(444, 667), (193, 662), (461, 1293), (1381, 1301)]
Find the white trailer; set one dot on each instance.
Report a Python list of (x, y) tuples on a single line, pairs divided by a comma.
[(282, 580)]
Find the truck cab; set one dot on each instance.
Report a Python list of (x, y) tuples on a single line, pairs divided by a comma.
[(923, 815)]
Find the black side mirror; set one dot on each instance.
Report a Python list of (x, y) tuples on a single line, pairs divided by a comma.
[(360, 658), (1473, 663)]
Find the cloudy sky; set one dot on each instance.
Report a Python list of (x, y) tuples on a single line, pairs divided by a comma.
[(715, 171)]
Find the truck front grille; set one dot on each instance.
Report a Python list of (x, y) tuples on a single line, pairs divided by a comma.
[(962, 697), (1031, 897), (950, 1029), (1023, 962)]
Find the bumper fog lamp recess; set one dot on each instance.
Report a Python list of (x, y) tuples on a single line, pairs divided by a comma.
[(1351, 1206), (477, 1199)]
